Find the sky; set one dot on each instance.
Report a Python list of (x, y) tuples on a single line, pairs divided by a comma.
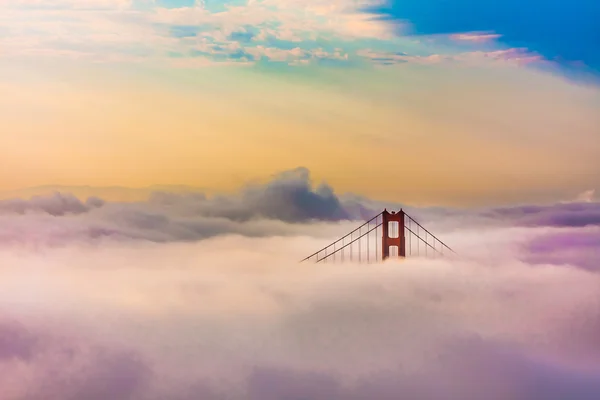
[(432, 103)]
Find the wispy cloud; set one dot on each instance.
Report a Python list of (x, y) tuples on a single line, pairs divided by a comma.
[(94, 5), (268, 30), (559, 31), (118, 30), (477, 58), (475, 36), (588, 196)]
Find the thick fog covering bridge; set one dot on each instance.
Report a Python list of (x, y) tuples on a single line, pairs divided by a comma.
[(387, 235)]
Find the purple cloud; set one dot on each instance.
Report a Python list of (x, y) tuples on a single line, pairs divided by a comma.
[(280, 383), (15, 342), (466, 369), (39, 365), (185, 321), (578, 248)]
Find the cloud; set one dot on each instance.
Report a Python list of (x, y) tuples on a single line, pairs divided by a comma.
[(232, 51), (579, 248), (587, 196), (574, 214), (288, 204), (475, 36), (502, 57), (200, 35), (559, 31), (288, 197), (94, 5), (57, 205), (201, 296), (87, 371), (285, 205), (506, 374), (231, 318), (96, 31), (122, 31)]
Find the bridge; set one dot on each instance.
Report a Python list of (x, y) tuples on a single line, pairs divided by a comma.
[(388, 234)]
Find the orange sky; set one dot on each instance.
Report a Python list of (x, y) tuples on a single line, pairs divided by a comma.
[(466, 128)]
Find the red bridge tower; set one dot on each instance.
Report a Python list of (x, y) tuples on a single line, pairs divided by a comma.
[(393, 234)]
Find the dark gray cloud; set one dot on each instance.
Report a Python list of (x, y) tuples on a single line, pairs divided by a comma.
[(556, 215), (279, 207), (271, 208), (288, 204), (282, 206), (288, 197)]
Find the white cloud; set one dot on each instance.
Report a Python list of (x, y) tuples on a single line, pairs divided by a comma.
[(475, 36), (513, 56), (587, 196), (114, 30), (239, 318), (114, 33), (67, 4), (177, 313), (108, 30)]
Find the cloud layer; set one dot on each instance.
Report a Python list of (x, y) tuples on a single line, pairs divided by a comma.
[(282, 206), (233, 318), (289, 204), (186, 296)]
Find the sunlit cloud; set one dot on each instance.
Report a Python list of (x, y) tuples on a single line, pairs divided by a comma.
[(121, 30), (588, 196), (186, 294), (476, 58), (289, 205), (475, 36), (127, 31)]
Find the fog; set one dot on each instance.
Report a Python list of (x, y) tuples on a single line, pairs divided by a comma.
[(234, 315)]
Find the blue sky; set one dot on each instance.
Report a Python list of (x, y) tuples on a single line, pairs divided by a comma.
[(565, 31), (541, 34)]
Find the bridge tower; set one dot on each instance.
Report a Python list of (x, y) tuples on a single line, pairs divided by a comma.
[(393, 233), (400, 234)]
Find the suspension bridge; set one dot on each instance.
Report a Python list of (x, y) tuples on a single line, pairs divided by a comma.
[(388, 234)]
